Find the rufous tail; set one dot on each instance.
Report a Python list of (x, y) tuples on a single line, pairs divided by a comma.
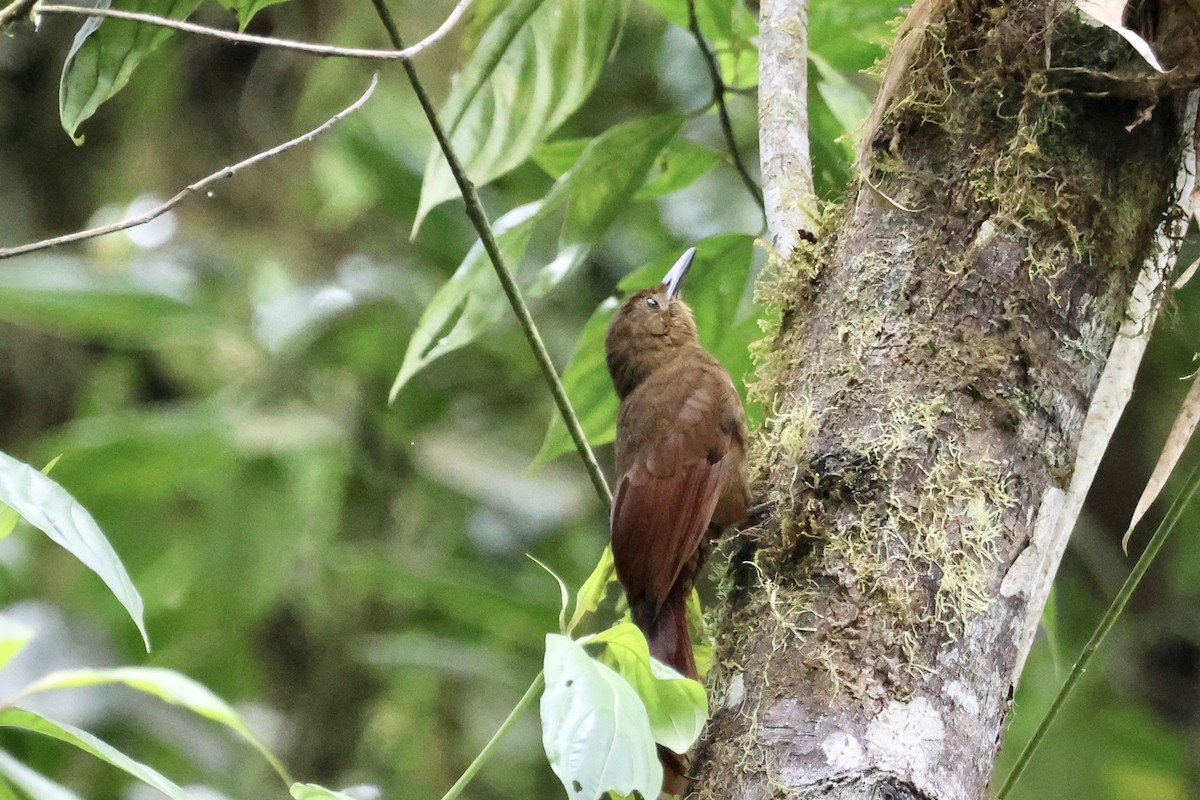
[(669, 639)]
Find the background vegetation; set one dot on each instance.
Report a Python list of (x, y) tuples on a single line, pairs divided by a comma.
[(351, 576)]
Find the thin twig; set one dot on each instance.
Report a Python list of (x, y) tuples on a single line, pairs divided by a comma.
[(198, 186), (266, 41), (525, 702), (1105, 625), (15, 12), (719, 90), (479, 219)]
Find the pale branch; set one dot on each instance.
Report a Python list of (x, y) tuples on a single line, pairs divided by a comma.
[(479, 220), (784, 153), (15, 12), (719, 91), (248, 38), (198, 186)]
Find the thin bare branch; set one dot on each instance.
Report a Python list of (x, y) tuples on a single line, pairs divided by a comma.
[(198, 186), (15, 12), (249, 38), (719, 91)]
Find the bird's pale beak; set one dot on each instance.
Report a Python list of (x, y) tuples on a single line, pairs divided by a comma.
[(674, 278)]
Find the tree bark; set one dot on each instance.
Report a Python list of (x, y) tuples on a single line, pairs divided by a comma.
[(931, 388)]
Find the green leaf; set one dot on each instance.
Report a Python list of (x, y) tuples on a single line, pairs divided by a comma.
[(6, 791), (677, 706), (850, 35), (594, 727), (556, 158), (166, 685), (104, 55), (469, 303), (714, 290), (702, 643), (27, 720), (310, 791), (534, 67), (715, 16), (33, 783), (13, 638), (680, 164), (246, 9), (50, 509), (9, 516), (564, 595), (593, 192), (594, 588), (590, 389)]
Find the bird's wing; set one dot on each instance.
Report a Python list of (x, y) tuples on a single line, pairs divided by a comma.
[(670, 488)]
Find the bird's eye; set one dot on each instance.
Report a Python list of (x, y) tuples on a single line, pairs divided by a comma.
[(651, 302)]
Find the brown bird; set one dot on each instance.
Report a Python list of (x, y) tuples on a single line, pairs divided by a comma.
[(681, 443)]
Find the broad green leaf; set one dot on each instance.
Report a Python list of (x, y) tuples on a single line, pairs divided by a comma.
[(589, 388), (594, 727), (730, 29), (246, 9), (677, 706), (33, 783), (470, 302), (166, 685), (13, 638), (714, 290), (556, 158), (851, 35), (9, 516), (679, 165), (310, 791), (6, 791), (49, 508), (593, 193), (594, 588), (702, 643), (27, 720), (715, 16), (534, 67), (104, 55)]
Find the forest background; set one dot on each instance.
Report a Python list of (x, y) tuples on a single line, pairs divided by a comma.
[(350, 575)]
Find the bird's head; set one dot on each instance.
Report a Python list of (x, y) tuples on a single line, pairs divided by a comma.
[(650, 328)]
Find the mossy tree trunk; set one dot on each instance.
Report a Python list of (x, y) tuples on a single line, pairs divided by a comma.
[(939, 349)]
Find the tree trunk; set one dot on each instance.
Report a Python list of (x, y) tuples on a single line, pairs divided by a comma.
[(938, 352)]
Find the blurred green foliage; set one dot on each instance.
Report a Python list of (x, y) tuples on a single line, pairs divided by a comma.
[(349, 575)]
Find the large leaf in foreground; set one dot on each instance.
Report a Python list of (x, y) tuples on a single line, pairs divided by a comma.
[(49, 508), (536, 64), (104, 55), (677, 706), (27, 720), (594, 727)]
